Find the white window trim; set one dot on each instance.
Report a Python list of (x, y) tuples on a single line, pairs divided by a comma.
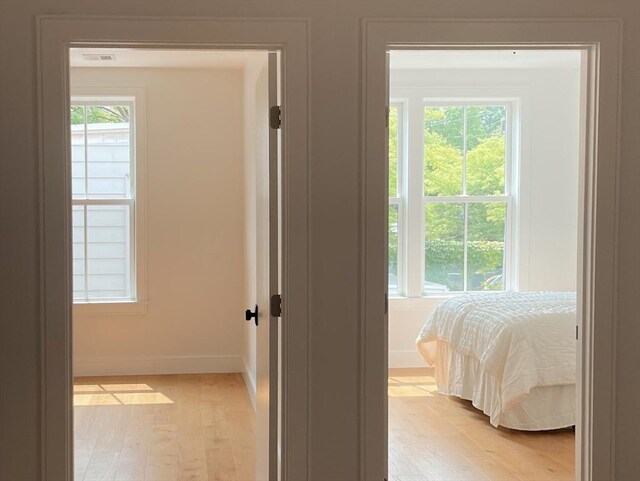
[(139, 305), (401, 189), (411, 227)]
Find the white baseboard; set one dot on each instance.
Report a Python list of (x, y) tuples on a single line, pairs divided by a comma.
[(123, 366), (405, 359), (250, 382)]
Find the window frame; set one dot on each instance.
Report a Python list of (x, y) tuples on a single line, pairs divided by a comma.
[(414, 202), (401, 188), (135, 99)]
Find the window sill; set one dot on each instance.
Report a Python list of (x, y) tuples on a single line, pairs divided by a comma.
[(444, 295), (93, 309), (414, 303), (402, 302)]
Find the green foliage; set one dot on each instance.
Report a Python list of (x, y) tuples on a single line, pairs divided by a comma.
[(482, 122), (393, 191), (100, 114), (393, 241), (486, 221), (444, 154), (444, 260), (393, 152), (444, 222), (444, 160), (442, 166), (485, 167)]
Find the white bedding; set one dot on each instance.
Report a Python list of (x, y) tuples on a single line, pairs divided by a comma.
[(505, 344)]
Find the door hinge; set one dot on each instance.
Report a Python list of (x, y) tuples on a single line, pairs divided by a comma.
[(386, 303), (386, 117), (576, 332), (275, 117), (276, 305)]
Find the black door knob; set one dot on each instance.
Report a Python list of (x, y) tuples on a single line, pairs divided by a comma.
[(248, 315)]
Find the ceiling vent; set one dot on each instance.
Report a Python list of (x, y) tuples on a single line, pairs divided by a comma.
[(99, 57)]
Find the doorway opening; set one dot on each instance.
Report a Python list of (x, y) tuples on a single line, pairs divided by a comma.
[(174, 157), (486, 159)]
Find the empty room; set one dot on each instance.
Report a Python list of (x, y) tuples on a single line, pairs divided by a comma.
[(169, 166)]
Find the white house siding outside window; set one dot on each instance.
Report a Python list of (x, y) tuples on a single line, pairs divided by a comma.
[(450, 198), (103, 200)]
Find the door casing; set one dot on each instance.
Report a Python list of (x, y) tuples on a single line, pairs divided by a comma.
[(598, 191), (56, 34)]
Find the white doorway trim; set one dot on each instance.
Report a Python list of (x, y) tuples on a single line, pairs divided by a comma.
[(601, 39), (56, 34)]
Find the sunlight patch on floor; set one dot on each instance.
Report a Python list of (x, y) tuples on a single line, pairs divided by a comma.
[(126, 387), (117, 394), (412, 391), (412, 386)]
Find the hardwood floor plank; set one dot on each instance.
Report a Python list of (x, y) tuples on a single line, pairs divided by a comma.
[(220, 465), (132, 464), (196, 427), (161, 470), (492, 469), (216, 435), (102, 466), (81, 461), (246, 472), (201, 427), (192, 462), (445, 438)]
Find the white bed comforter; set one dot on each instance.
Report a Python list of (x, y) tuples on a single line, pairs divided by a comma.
[(523, 339)]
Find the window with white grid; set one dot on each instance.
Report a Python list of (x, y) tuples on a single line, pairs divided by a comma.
[(103, 199), (450, 198)]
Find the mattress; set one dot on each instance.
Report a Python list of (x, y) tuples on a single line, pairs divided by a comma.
[(512, 354)]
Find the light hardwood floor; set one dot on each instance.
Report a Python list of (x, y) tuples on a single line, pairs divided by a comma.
[(201, 427), (435, 437), (156, 428)]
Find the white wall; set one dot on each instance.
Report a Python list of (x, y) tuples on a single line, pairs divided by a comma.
[(335, 190), (195, 230), (547, 195)]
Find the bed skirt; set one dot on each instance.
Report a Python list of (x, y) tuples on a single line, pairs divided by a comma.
[(543, 408)]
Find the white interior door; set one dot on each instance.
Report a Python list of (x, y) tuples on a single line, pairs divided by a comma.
[(268, 285), (385, 420)]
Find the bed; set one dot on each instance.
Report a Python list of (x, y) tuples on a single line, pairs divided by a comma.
[(512, 354)]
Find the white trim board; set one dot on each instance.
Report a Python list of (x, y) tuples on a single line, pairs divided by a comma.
[(55, 34), (250, 382), (600, 40), (127, 366), (398, 359)]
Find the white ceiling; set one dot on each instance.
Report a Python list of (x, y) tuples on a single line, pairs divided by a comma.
[(400, 59), (126, 57), (459, 59)]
